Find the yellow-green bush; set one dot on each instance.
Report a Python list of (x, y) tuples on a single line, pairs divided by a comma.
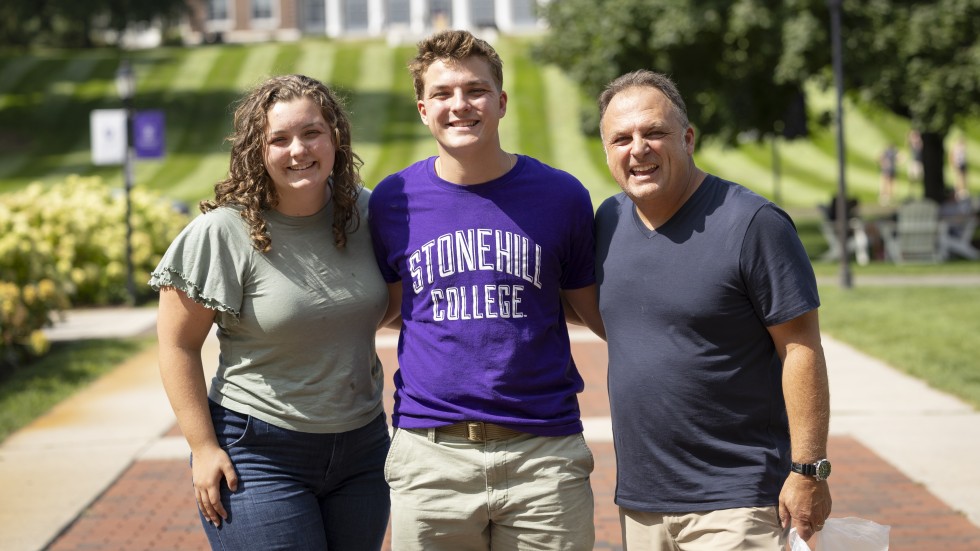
[(66, 245), (24, 310)]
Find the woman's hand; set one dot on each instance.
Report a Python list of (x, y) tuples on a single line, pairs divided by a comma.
[(211, 466)]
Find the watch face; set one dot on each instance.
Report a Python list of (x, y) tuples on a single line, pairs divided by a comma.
[(823, 469)]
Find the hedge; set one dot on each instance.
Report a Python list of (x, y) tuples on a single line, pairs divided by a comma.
[(64, 246)]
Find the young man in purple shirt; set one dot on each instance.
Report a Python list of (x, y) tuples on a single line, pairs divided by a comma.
[(480, 247)]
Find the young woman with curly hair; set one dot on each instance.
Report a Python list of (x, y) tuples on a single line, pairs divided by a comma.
[(288, 444)]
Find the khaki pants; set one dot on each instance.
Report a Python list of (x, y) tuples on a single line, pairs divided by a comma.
[(521, 493), (749, 528)]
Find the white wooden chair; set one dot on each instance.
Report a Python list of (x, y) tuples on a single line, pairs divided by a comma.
[(916, 235), (961, 224)]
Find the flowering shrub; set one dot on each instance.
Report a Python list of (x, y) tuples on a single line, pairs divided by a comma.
[(23, 311), (66, 244)]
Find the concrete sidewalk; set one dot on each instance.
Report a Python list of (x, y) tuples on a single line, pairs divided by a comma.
[(106, 469)]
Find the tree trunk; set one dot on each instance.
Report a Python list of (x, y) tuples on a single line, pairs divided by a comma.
[(933, 165)]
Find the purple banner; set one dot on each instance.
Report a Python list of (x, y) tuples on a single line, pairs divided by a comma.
[(148, 131)]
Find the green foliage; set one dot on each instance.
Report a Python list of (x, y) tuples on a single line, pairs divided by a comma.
[(75, 233), (71, 22), (920, 60), (932, 49), (24, 310), (66, 243), (741, 64)]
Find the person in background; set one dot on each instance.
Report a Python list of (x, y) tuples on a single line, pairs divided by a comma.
[(288, 445), (717, 380), (888, 164), (958, 163), (480, 247)]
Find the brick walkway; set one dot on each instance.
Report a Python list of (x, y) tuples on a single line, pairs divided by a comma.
[(150, 507)]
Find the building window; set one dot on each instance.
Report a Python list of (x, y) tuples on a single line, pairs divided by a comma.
[(261, 9), (525, 12), (217, 10), (356, 15), (313, 16), (399, 12), (482, 13)]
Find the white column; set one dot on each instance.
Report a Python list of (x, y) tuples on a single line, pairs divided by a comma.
[(376, 17), (419, 14), (461, 15), (504, 15), (335, 18)]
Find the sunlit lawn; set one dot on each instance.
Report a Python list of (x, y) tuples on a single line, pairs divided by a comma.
[(930, 332)]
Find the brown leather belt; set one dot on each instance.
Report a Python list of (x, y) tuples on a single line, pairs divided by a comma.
[(477, 431)]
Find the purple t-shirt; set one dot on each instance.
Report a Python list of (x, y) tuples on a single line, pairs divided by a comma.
[(483, 331)]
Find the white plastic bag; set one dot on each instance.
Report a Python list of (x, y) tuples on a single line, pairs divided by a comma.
[(844, 534)]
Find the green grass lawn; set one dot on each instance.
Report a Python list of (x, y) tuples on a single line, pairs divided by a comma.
[(46, 97), (927, 332)]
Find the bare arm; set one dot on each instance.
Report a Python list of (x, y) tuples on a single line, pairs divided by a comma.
[(804, 502), (582, 307), (182, 327)]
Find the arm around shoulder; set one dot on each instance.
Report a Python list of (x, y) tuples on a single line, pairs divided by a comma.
[(392, 317), (582, 307)]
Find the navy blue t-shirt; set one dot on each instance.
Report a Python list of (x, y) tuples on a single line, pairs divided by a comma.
[(695, 385)]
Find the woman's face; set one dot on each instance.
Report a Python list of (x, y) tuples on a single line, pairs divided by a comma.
[(299, 153)]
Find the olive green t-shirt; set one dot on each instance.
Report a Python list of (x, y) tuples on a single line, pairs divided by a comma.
[(296, 325)]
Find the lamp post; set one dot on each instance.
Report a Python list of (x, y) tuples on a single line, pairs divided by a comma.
[(841, 203), (126, 87)]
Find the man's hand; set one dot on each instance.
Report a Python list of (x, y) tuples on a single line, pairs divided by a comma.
[(804, 503)]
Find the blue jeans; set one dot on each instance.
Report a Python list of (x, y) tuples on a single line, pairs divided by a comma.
[(302, 491)]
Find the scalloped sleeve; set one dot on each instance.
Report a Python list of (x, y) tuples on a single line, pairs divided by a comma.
[(208, 261)]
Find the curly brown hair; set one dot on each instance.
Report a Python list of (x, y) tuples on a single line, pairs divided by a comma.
[(249, 185)]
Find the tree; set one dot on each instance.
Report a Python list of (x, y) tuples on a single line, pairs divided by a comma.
[(70, 23), (920, 60), (742, 63)]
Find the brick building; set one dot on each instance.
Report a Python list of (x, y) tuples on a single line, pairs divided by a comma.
[(262, 20)]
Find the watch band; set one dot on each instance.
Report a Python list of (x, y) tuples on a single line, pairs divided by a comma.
[(819, 470), (808, 469)]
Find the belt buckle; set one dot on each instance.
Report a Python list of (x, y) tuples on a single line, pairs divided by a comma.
[(476, 431)]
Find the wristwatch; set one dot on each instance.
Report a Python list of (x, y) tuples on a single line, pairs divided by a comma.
[(819, 470)]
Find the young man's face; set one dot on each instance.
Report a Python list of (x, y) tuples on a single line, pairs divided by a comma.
[(462, 105)]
